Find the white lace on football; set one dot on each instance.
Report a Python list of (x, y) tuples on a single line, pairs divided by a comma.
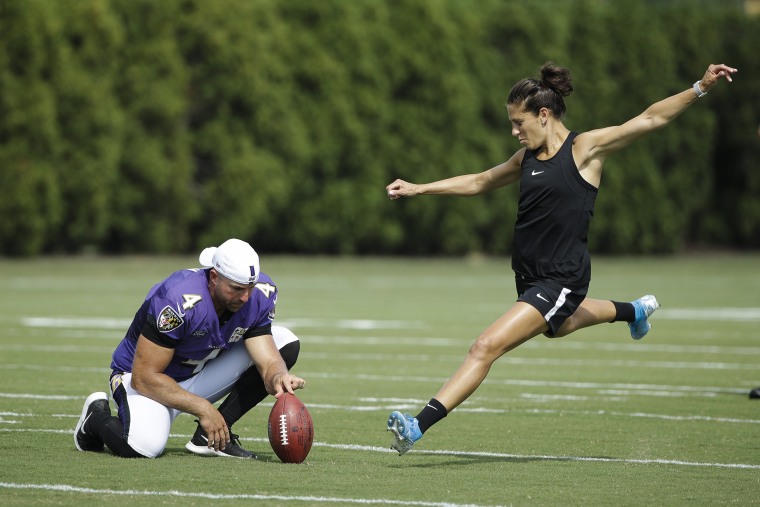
[(284, 429)]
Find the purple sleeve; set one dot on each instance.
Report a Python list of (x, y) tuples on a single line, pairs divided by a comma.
[(265, 295), (176, 308)]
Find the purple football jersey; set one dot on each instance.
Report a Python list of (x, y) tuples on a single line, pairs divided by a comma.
[(184, 314)]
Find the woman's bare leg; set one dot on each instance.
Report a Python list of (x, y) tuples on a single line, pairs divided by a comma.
[(521, 323), (590, 313)]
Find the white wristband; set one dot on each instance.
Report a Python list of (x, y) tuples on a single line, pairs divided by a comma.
[(698, 90)]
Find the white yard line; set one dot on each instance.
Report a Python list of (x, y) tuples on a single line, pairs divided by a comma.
[(67, 488), (385, 404), (727, 314)]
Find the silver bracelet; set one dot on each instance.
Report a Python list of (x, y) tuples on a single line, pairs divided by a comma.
[(698, 90)]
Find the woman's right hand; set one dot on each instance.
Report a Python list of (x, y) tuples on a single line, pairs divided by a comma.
[(401, 188)]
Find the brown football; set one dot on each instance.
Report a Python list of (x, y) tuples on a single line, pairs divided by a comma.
[(291, 430)]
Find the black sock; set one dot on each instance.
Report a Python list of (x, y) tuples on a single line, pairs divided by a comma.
[(111, 432), (249, 390), (624, 312), (433, 412)]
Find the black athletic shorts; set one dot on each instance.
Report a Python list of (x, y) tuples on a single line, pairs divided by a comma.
[(555, 302)]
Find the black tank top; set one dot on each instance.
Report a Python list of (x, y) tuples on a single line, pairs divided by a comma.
[(553, 216)]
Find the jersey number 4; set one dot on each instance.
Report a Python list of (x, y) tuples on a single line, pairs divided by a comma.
[(200, 363), (190, 300)]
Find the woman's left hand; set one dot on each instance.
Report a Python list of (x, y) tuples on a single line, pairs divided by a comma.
[(714, 73)]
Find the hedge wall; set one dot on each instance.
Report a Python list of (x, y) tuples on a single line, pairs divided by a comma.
[(164, 126)]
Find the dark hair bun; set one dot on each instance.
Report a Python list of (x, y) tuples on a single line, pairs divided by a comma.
[(557, 78)]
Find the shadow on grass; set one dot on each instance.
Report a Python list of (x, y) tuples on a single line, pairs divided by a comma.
[(465, 459), (178, 452)]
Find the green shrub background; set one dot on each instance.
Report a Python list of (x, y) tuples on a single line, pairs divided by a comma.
[(145, 126)]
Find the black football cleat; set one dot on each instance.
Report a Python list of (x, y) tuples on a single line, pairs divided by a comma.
[(199, 445), (755, 394), (84, 440)]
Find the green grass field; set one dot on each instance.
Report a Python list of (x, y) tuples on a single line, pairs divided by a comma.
[(591, 419)]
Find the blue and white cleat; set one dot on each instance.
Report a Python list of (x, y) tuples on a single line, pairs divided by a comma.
[(406, 431), (645, 307)]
